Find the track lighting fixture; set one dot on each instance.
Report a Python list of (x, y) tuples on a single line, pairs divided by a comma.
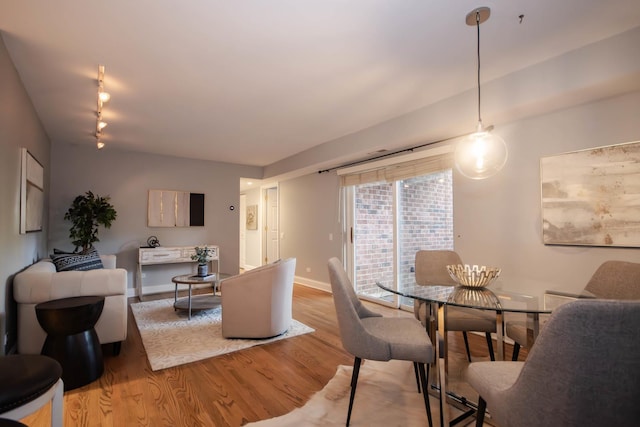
[(103, 97)]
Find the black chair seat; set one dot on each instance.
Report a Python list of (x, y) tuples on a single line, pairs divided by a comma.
[(24, 378)]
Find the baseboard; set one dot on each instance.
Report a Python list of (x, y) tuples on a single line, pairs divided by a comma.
[(322, 286)]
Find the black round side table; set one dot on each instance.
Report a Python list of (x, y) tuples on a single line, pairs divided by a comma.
[(71, 338)]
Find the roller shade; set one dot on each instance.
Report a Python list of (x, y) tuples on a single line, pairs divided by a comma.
[(397, 171)]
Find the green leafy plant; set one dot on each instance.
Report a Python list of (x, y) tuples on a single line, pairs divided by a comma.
[(87, 213), (202, 255)]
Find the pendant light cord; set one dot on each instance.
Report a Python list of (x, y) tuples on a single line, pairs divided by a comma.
[(478, 54)]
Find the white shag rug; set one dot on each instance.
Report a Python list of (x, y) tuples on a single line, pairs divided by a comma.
[(170, 339), (386, 395)]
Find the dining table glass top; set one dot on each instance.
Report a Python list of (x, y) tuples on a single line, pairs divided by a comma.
[(485, 298)]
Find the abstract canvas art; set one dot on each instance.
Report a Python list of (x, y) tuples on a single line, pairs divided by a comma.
[(592, 197), (31, 193)]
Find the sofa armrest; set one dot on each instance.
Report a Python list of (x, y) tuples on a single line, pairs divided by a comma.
[(33, 287)]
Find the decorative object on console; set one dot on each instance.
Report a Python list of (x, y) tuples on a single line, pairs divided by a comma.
[(153, 242), (202, 256), (87, 213), (473, 276)]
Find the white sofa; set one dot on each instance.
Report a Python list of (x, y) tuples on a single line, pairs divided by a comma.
[(257, 304), (40, 283)]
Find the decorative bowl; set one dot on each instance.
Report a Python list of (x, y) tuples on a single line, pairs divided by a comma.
[(476, 276)]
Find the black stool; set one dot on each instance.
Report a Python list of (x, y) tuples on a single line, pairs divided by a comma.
[(5, 422), (27, 383), (71, 338)]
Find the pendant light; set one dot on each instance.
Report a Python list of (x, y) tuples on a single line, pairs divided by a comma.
[(480, 154)]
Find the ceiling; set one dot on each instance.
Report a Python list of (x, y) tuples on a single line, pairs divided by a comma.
[(254, 82)]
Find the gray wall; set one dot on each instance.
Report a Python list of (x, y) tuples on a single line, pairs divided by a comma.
[(496, 221), (309, 212), (127, 177), (19, 127)]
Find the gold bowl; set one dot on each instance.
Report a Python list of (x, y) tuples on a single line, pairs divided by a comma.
[(473, 276)]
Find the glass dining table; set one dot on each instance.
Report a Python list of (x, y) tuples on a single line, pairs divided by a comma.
[(501, 301)]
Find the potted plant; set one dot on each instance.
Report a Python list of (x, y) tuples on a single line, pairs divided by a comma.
[(87, 213), (202, 256)]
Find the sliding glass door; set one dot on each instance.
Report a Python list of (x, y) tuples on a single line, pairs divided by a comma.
[(390, 222)]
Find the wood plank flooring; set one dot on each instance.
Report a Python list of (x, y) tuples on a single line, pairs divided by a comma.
[(230, 390)]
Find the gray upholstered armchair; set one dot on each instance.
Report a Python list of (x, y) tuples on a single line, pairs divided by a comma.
[(583, 371), (257, 304)]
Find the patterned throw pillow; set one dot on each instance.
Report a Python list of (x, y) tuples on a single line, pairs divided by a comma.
[(89, 260)]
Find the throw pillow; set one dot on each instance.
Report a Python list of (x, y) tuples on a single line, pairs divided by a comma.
[(89, 260)]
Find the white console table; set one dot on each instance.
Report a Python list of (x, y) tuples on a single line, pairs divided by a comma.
[(170, 255)]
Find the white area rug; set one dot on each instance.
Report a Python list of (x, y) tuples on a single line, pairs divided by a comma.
[(170, 339), (386, 395)]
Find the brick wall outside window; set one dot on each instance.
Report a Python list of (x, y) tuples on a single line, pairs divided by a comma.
[(425, 221)]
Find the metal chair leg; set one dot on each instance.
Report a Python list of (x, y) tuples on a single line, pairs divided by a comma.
[(354, 383), (516, 352), (415, 370), (490, 346), (424, 374), (466, 345), (482, 407)]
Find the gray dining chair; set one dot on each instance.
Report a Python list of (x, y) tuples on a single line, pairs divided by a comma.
[(368, 335), (583, 371), (619, 280), (430, 266)]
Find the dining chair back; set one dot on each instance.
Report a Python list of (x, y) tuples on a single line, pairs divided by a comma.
[(583, 371), (615, 280), (367, 335), (431, 269), (619, 280)]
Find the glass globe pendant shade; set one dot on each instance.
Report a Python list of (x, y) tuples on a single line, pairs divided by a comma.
[(481, 154)]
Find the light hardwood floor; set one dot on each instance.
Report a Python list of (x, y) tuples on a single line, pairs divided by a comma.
[(230, 390)]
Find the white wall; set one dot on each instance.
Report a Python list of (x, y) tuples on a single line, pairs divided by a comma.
[(127, 177), (19, 127), (496, 221)]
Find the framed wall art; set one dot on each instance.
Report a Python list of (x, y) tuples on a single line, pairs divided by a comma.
[(592, 197), (252, 217), (31, 193)]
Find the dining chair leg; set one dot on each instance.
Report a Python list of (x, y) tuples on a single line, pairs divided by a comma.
[(466, 345), (354, 383), (424, 374), (516, 351), (415, 371), (490, 346), (482, 407)]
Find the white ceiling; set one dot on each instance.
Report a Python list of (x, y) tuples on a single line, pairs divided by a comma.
[(253, 82)]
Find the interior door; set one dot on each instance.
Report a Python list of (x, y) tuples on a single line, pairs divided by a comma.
[(271, 230)]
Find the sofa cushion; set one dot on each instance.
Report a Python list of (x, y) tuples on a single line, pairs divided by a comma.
[(77, 262)]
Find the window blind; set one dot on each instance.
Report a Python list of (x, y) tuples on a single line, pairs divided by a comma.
[(398, 171)]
